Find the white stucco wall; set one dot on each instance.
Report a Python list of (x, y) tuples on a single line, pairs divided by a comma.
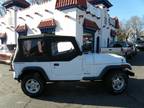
[(68, 21), (80, 20), (64, 25), (7, 26), (106, 27)]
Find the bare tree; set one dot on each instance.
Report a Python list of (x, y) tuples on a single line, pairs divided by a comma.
[(136, 24), (132, 28), (121, 32)]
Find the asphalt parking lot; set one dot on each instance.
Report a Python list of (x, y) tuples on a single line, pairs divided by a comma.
[(74, 95)]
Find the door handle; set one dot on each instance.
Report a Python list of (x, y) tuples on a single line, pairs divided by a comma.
[(56, 64)]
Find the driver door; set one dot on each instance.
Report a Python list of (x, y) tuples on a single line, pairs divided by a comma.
[(67, 64)]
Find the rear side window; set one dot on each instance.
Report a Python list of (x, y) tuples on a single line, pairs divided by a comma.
[(59, 48), (63, 51), (33, 48)]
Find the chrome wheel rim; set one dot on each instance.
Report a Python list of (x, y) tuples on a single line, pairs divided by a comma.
[(32, 86), (118, 82)]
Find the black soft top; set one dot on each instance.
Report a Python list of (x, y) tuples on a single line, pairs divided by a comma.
[(49, 36)]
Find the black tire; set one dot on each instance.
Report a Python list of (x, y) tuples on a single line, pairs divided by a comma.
[(32, 85), (116, 86)]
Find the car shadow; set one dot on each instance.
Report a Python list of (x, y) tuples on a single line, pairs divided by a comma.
[(137, 60), (95, 94)]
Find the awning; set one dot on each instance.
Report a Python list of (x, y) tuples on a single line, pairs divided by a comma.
[(65, 4), (113, 33), (91, 25), (18, 3), (22, 28), (49, 23), (3, 35)]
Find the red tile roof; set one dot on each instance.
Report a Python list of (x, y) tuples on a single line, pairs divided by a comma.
[(21, 28), (49, 23), (64, 4), (88, 24), (3, 35)]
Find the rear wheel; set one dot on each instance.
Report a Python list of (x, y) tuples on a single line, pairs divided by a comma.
[(116, 82), (32, 85)]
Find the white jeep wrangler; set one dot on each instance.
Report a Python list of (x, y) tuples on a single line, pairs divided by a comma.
[(46, 58)]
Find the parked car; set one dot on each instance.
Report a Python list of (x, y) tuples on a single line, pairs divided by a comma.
[(134, 48), (50, 58), (120, 48), (6, 52), (140, 45)]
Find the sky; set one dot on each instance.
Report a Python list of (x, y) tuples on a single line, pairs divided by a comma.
[(124, 9)]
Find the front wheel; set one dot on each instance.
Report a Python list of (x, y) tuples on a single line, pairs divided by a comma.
[(32, 86), (117, 82)]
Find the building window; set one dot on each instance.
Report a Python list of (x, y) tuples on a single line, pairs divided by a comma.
[(22, 33), (48, 30), (3, 38), (38, 1), (108, 41), (88, 43)]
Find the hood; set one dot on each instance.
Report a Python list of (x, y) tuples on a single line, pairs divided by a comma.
[(109, 58)]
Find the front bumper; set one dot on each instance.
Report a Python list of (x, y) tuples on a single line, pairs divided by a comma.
[(129, 72), (127, 68)]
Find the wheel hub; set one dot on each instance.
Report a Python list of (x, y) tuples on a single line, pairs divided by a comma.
[(32, 86), (118, 82)]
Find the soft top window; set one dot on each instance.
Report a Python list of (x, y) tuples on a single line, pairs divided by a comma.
[(61, 47), (33, 47)]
